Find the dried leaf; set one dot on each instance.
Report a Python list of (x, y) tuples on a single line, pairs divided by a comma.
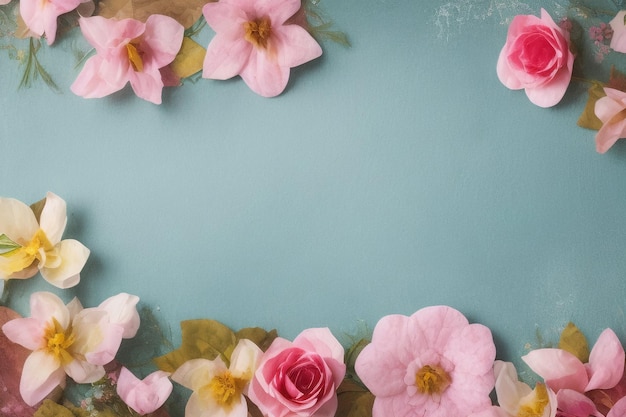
[(13, 357), (574, 341), (51, 409), (588, 118), (186, 12), (189, 59), (354, 400), (200, 339), (261, 337)]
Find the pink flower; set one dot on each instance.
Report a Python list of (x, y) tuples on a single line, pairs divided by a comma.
[(431, 364), (618, 41), (299, 379), (536, 57), (252, 40), (64, 339), (610, 109), (128, 51), (562, 370), (40, 16), (144, 396)]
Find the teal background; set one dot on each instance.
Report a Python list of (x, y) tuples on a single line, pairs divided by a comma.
[(389, 176)]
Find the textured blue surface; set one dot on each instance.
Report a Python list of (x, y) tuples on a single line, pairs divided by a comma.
[(393, 175)]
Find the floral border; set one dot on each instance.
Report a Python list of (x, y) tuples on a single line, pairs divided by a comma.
[(152, 44)]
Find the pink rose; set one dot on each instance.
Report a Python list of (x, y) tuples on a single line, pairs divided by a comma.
[(536, 57), (300, 378)]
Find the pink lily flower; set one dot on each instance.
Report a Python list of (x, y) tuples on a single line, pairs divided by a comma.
[(128, 51), (562, 370), (253, 40), (65, 340), (40, 16), (144, 396)]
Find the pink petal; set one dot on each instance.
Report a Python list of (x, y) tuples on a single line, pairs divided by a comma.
[(573, 403), (144, 396), (548, 95), (278, 10), (618, 40), (559, 369), (294, 46), (45, 305), (606, 362), (109, 35), (26, 332), (264, 76), (225, 19), (162, 39), (225, 57), (147, 85), (41, 374), (99, 78)]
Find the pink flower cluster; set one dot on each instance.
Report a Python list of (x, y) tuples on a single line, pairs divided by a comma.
[(253, 39)]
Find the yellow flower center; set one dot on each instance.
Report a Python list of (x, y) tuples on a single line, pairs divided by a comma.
[(258, 32), (134, 56), (23, 257), (58, 341), (432, 380), (535, 406), (225, 388)]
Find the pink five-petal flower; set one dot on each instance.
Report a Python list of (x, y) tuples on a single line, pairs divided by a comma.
[(431, 364), (536, 57), (562, 370), (40, 16), (128, 51), (610, 110), (252, 40), (144, 396), (64, 340)]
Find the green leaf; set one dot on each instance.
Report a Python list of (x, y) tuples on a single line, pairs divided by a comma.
[(261, 337), (574, 341), (588, 118), (7, 245), (354, 400), (201, 338)]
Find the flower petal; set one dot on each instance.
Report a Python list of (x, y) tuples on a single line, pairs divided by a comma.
[(162, 39), (606, 362), (100, 77), (84, 372), (559, 368), (17, 220), (225, 58), (264, 76), (294, 46), (41, 374), (122, 310), (53, 217), (73, 256), (45, 305), (27, 332), (144, 396)]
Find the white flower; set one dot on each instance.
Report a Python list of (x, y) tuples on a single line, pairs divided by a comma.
[(38, 244)]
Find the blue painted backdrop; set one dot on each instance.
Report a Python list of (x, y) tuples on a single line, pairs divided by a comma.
[(391, 175)]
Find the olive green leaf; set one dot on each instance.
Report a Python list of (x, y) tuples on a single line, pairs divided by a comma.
[(588, 118), (574, 341)]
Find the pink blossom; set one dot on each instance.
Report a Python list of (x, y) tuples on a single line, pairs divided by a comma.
[(253, 40), (536, 57), (562, 370), (128, 51), (610, 109), (431, 364), (40, 16), (64, 340), (299, 378), (144, 396)]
